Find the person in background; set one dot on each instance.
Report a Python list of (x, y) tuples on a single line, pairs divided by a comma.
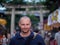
[(57, 37), (8, 38), (13, 34), (47, 38), (4, 40)]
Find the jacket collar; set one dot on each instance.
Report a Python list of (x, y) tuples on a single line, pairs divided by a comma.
[(18, 36)]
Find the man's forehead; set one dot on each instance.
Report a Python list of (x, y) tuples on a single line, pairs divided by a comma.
[(24, 18)]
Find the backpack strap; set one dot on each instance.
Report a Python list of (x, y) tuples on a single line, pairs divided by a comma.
[(35, 34), (30, 38)]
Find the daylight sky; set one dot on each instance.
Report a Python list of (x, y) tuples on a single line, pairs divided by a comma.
[(28, 0), (31, 0), (35, 0)]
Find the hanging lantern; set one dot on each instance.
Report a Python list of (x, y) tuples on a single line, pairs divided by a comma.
[(3, 21)]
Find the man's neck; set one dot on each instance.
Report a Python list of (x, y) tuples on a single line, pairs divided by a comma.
[(25, 34)]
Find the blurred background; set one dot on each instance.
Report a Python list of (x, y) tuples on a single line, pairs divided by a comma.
[(44, 15)]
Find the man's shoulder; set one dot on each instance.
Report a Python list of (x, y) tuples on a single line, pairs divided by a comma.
[(38, 36), (39, 39), (13, 38), (16, 35)]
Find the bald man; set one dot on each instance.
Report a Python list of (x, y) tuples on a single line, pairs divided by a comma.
[(26, 36)]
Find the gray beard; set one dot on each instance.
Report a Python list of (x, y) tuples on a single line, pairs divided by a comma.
[(25, 32)]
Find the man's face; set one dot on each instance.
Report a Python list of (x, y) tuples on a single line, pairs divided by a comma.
[(25, 25)]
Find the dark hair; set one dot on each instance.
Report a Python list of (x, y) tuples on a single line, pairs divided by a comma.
[(59, 28)]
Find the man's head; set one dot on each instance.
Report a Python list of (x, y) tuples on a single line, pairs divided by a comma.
[(25, 24)]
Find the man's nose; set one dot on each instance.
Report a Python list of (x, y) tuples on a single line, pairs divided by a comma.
[(25, 26)]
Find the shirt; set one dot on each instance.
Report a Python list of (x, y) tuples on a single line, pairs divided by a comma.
[(18, 40)]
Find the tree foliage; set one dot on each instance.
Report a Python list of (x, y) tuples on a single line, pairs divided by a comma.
[(18, 2), (51, 5), (13, 1), (2, 1)]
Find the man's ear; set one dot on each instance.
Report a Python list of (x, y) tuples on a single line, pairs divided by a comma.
[(19, 24), (19, 27), (31, 24)]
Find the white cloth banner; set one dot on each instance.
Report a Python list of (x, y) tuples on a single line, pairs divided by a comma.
[(54, 17), (58, 16), (50, 19)]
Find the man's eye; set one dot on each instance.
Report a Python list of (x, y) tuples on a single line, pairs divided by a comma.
[(22, 24), (27, 24)]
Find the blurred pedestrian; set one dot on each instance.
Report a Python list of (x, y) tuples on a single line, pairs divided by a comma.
[(47, 38), (4, 40), (13, 34), (8, 38), (57, 37)]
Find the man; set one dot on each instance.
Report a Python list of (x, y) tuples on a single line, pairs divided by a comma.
[(57, 36), (26, 36)]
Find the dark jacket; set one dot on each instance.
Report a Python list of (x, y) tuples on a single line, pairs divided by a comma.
[(18, 40)]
